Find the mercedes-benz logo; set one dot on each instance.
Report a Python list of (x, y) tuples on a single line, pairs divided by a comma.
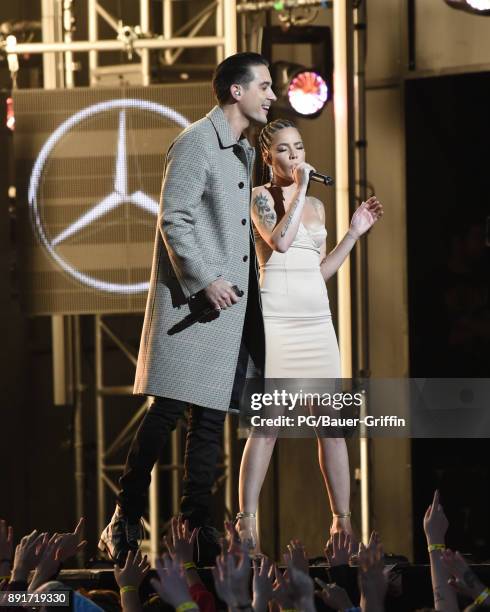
[(116, 198)]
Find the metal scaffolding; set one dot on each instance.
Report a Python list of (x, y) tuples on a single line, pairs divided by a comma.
[(129, 39)]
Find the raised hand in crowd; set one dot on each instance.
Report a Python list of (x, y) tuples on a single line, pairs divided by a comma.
[(181, 543), (27, 555), (49, 562), (171, 584), (129, 579), (339, 549), (435, 523), (334, 596), (181, 548), (463, 579), (6, 549), (372, 579), (297, 555), (72, 543), (435, 528), (263, 584), (301, 587), (232, 578), (282, 592)]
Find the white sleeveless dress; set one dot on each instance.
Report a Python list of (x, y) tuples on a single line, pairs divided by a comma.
[(300, 337)]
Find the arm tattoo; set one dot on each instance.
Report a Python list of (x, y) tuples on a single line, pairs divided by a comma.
[(437, 595), (290, 217), (267, 216)]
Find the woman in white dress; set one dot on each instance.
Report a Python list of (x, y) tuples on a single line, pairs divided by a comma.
[(300, 338)]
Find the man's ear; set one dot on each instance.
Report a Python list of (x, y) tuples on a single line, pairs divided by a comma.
[(236, 91)]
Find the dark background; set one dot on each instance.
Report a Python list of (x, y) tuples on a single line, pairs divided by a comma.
[(447, 146)]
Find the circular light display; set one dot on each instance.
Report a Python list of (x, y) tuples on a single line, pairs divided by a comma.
[(307, 93), (118, 196), (479, 5)]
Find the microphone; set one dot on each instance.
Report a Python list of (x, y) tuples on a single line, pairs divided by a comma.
[(199, 315), (321, 178)]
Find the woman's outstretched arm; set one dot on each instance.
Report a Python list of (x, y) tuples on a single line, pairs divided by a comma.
[(362, 220)]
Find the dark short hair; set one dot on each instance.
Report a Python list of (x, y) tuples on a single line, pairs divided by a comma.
[(235, 69)]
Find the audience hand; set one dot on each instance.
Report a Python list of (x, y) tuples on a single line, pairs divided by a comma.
[(232, 576), (71, 543), (463, 578), (171, 584), (134, 571), (302, 587), (339, 549), (334, 596), (27, 555), (263, 584), (435, 522), (372, 579), (282, 591), (181, 547), (49, 563), (297, 555)]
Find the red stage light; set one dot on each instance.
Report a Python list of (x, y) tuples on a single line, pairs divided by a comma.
[(10, 119)]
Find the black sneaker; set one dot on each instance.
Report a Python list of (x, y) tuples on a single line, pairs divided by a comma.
[(119, 537), (207, 546)]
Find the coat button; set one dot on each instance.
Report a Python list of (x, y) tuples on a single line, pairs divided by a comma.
[(245, 258), (244, 222), (241, 185)]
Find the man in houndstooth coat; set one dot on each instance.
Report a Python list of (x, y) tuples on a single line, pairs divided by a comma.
[(204, 245)]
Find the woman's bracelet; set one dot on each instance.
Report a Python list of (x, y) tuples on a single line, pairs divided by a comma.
[(481, 597), (186, 605), (129, 588), (433, 547)]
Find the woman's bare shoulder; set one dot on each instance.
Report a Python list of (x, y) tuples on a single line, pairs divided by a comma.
[(318, 206)]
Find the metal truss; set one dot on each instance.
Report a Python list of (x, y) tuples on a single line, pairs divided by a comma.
[(137, 39), (274, 5)]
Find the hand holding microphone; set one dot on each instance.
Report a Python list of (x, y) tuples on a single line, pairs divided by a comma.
[(221, 294), (202, 309), (304, 173)]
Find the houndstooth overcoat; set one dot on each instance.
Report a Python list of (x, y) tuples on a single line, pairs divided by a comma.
[(203, 232)]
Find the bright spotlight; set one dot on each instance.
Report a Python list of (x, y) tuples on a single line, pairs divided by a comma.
[(477, 7), (307, 93)]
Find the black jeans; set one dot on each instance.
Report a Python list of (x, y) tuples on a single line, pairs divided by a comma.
[(203, 445)]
